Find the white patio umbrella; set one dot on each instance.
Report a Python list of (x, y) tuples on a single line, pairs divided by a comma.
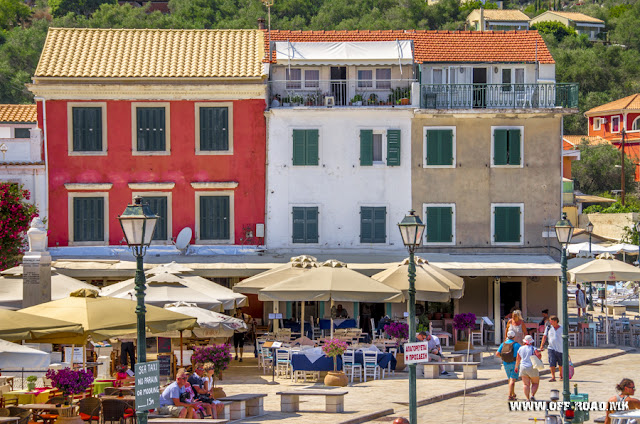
[(15, 356), (171, 267), (332, 281)]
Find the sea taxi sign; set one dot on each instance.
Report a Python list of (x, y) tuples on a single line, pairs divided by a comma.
[(416, 353), (147, 385)]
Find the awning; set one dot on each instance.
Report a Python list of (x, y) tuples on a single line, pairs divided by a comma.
[(587, 198), (347, 53), (497, 265)]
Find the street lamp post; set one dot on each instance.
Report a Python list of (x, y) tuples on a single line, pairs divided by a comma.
[(411, 229), (638, 232), (138, 223), (590, 231), (564, 231)]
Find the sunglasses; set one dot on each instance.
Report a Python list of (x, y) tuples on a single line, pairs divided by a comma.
[(631, 387)]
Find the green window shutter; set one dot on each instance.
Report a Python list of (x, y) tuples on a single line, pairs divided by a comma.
[(214, 217), (299, 217), (214, 128), (393, 147), (439, 147), (433, 147), (366, 224), (514, 147), (87, 129), (299, 147), (305, 224), (366, 147), (158, 205), (312, 147), (439, 224), (507, 224), (88, 219), (151, 129), (500, 147), (379, 225), (311, 225)]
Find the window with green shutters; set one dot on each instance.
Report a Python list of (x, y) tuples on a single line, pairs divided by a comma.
[(215, 217), (371, 148), (373, 224), (439, 224), (507, 221), (158, 205), (305, 224), (150, 128), (439, 147), (214, 128), (87, 129), (88, 219), (305, 147), (393, 147), (507, 147), (366, 147)]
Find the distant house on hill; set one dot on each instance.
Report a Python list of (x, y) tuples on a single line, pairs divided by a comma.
[(583, 24), (497, 19)]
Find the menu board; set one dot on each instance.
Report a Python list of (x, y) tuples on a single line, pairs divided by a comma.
[(165, 364), (164, 345)]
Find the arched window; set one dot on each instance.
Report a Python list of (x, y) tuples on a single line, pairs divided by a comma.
[(636, 124)]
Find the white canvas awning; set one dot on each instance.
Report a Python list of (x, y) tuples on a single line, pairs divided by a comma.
[(351, 53)]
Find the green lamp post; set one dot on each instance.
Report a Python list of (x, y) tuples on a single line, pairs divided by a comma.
[(590, 231)]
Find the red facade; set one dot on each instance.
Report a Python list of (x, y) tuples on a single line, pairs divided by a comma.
[(610, 129), (245, 166)]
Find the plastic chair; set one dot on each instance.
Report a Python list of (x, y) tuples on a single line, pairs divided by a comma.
[(350, 366), (371, 366)]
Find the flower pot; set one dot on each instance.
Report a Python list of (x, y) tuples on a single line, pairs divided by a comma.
[(437, 315), (336, 379), (31, 386), (462, 345), (404, 101), (400, 365), (447, 315), (218, 393)]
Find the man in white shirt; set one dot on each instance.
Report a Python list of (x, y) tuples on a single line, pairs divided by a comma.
[(553, 332), (435, 349)]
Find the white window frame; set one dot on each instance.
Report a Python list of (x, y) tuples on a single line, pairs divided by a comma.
[(443, 79), (372, 80), (635, 125), (229, 106), (70, 216), (386, 223), (383, 152), (453, 223), (290, 223), (493, 224), (169, 197), (597, 124), (290, 81), (507, 127), (232, 235), (134, 130), (319, 128), (617, 117), (304, 79), (375, 76), (424, 147), (70, 106)]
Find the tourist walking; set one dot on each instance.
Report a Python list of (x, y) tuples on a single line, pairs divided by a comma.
[(627, 388), (516, 323), (238, 335), (553, 333), (524, 366), (581, 300), (508, 351)]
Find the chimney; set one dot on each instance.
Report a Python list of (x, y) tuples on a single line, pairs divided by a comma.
[(481, 18), (261, 23)]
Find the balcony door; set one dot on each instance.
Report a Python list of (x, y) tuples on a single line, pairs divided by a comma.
[(479, 87), (339, 84)]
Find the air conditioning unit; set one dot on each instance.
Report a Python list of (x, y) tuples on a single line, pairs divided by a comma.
[(329, 101)]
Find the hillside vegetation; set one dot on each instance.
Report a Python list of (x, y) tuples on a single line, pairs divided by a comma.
[(605, 71)]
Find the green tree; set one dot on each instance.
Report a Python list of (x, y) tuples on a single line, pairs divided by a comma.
[(79, 7), (596, 171), (13, 13), (557, 29)]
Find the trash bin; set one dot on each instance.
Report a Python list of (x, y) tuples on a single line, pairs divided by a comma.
[(580, 416)]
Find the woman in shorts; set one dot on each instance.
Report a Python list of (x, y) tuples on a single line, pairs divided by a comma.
[(530, 375)]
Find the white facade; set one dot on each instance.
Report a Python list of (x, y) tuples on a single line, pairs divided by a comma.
[(338, 186)]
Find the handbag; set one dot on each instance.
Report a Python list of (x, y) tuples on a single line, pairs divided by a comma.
[(571, 369), (536, 362)]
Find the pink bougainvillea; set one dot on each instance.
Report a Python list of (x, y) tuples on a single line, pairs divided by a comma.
[(15, 216)]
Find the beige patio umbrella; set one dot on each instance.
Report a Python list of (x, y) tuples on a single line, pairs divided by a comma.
[(16, 326), (171, 267), (432, 284), (332, 281)]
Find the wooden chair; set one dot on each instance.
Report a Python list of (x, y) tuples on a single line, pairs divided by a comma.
[(48, 417), (283, 362), (350, 366), (371, 366), (478, 335), (89, 409), (116, 410)]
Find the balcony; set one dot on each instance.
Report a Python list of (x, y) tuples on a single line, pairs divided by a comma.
[(353, 93), (499, 96)]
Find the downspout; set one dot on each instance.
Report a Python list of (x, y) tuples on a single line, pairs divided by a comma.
[(46, 157)]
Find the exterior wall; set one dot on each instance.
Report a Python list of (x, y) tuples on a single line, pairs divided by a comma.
[(338, 185), (611, 225), (473, 185), (181, 167), (494, 72)]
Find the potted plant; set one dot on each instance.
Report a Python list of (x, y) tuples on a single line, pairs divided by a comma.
[(216, 358), (400, 332), (297, 100), (373, 99), (334, 348), (464, 323), (31, 382), (357, 100), (286, 102), (70, 382)]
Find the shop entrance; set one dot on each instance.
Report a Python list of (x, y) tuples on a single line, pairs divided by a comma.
[(510, 297)]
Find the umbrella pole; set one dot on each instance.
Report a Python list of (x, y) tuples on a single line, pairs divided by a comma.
[(331, 318), (84, 355), (606, 310), (276, 309), (302, 318), (181, 358)]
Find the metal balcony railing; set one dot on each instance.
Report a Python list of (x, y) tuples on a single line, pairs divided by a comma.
[(499, 96), (388, 92)]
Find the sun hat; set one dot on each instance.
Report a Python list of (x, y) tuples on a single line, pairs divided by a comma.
[(511, 334), (528, 339)]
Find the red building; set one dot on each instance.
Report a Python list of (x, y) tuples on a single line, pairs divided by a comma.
[(175, 116)]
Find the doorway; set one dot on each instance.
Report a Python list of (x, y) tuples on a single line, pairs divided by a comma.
[(339, 84), (479, 88), (510, 297), (368, 311)]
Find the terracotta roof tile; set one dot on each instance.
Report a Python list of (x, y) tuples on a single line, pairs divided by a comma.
[(575, 140), (626, 103), (441, 46), (504, 15), (150, 53), (576, 17), (18, 113)]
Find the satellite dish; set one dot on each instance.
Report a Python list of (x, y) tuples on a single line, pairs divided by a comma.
[(183, 239)]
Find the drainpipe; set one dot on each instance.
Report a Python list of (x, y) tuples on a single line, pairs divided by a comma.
[(46, 157)]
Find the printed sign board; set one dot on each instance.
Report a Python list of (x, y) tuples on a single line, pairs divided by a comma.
[(147, 385), (416, 353)]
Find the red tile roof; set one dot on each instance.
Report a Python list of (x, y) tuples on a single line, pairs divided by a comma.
[(18, 113), (626, 103), (440, 46)]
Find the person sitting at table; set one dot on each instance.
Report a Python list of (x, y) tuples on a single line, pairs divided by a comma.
[(435, 350), (627, 388), (338, 312), (171, 403)]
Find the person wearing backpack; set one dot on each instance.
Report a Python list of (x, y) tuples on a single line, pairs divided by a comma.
[(508, 352)]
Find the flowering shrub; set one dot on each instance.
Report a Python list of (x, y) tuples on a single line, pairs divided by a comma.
[(70, 382), (334, 348), (397, 330), (15, 215), (218, 355), (464, 321)]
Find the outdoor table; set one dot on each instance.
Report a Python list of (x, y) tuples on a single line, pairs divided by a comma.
[(63, 411), (25, 396), (131, 400), (299, 362), (325, 324), (99, 386), (383, 359), (4, 420)]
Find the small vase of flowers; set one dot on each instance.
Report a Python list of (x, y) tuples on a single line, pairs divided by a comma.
[(464, 323), (400, 331), (70, 382), (215, 358), (334, 348)]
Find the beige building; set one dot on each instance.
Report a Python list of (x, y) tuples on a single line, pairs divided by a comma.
[(497, 20), (583, 24)]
